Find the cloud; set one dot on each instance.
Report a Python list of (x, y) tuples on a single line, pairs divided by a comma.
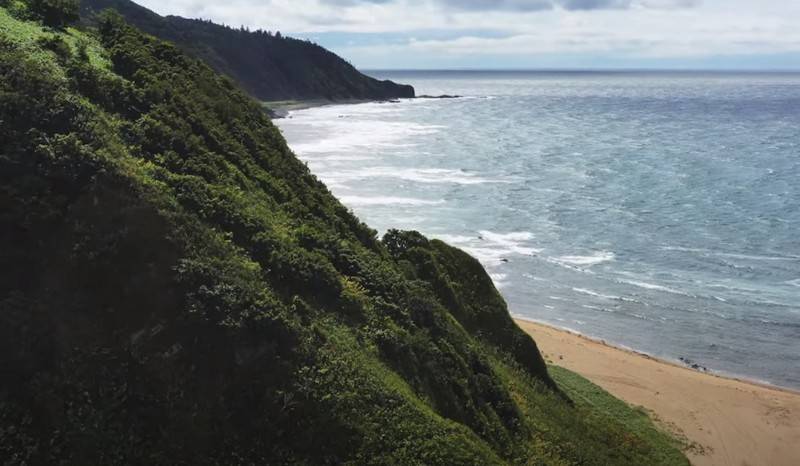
[(529, 5), (522, 33), (594, 4), (498, 5)]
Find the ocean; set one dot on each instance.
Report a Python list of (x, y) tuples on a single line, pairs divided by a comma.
[(658, 211)]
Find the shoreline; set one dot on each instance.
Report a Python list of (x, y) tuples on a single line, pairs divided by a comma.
[(723, 420), (283, 108), (675, 363)]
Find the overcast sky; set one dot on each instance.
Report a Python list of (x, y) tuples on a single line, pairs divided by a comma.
[(380, 34)]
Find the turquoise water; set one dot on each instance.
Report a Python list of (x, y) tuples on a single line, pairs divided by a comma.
[(658, 211)]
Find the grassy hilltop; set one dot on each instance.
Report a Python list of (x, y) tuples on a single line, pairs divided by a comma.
[(177, 288)]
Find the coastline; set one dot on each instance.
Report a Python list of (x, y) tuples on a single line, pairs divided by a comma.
[(723, 420), (283, 108)]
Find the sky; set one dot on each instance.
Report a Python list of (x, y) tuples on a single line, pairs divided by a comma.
[(526, 34)]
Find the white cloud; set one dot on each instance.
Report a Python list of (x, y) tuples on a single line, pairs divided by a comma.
[(524, 28)]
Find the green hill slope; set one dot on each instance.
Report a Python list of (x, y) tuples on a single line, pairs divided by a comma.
[(177, 288), (269, 67)]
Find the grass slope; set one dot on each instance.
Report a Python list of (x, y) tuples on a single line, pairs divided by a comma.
[(177, 288), (617, 414)]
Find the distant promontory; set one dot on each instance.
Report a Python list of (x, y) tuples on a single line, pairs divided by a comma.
[(267, 65)]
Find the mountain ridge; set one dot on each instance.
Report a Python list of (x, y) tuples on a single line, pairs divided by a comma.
[(270, 67)]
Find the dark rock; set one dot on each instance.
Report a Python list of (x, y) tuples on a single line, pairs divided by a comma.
[(443, 96)]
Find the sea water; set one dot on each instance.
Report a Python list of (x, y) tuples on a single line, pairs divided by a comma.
[(659, 211)]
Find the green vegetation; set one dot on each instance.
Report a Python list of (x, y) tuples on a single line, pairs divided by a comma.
[(634, 423), (267, 65), (177, 288), (55, 13)]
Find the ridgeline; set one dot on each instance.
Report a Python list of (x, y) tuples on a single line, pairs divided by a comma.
[(270, 67), (177, 288)]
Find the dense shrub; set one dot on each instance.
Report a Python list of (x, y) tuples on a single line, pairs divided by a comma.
[(55, 13)]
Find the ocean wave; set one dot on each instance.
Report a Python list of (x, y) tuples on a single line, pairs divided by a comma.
[(497, 255), (343, 144), (340, 158), (417, 175), (731, 255), (453, 240), (492, 249), (772, 323), (498, 279), (513, 241), (507, 237), (795, 282), (654, 287), (598, 308), (386, 200), (337, 129), (533, 277), (565, 265), (588, 261), (596, 294)]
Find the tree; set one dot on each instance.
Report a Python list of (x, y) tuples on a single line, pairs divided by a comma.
[(55, 13)]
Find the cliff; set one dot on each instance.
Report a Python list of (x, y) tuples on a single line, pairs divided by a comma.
[(177, 288)]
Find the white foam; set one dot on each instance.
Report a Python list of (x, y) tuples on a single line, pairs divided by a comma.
[(453, 239), (533, 277), (795, 282), (339, 158), (597, 308), (489, 257), (651, 286), (732, 255), (588, 261), (490, 248), (507, 237), (417, 175), (565, 265), (386, 200), (514, 242), (595, 294), (343, 129)]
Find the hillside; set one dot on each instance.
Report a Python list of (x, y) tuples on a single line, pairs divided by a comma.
[(177, 288), (269, 67)]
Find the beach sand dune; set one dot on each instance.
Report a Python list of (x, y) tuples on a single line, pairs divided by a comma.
[(726, 422)]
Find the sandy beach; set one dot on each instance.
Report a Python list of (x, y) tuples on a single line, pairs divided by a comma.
[(726, 421)]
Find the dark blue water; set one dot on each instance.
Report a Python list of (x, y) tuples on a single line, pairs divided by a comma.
[(659, 211)]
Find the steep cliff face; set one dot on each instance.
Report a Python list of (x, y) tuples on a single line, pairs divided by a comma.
[(269, 67), (177, 288)]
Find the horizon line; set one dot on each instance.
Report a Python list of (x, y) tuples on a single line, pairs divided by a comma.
[(591, 70)]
